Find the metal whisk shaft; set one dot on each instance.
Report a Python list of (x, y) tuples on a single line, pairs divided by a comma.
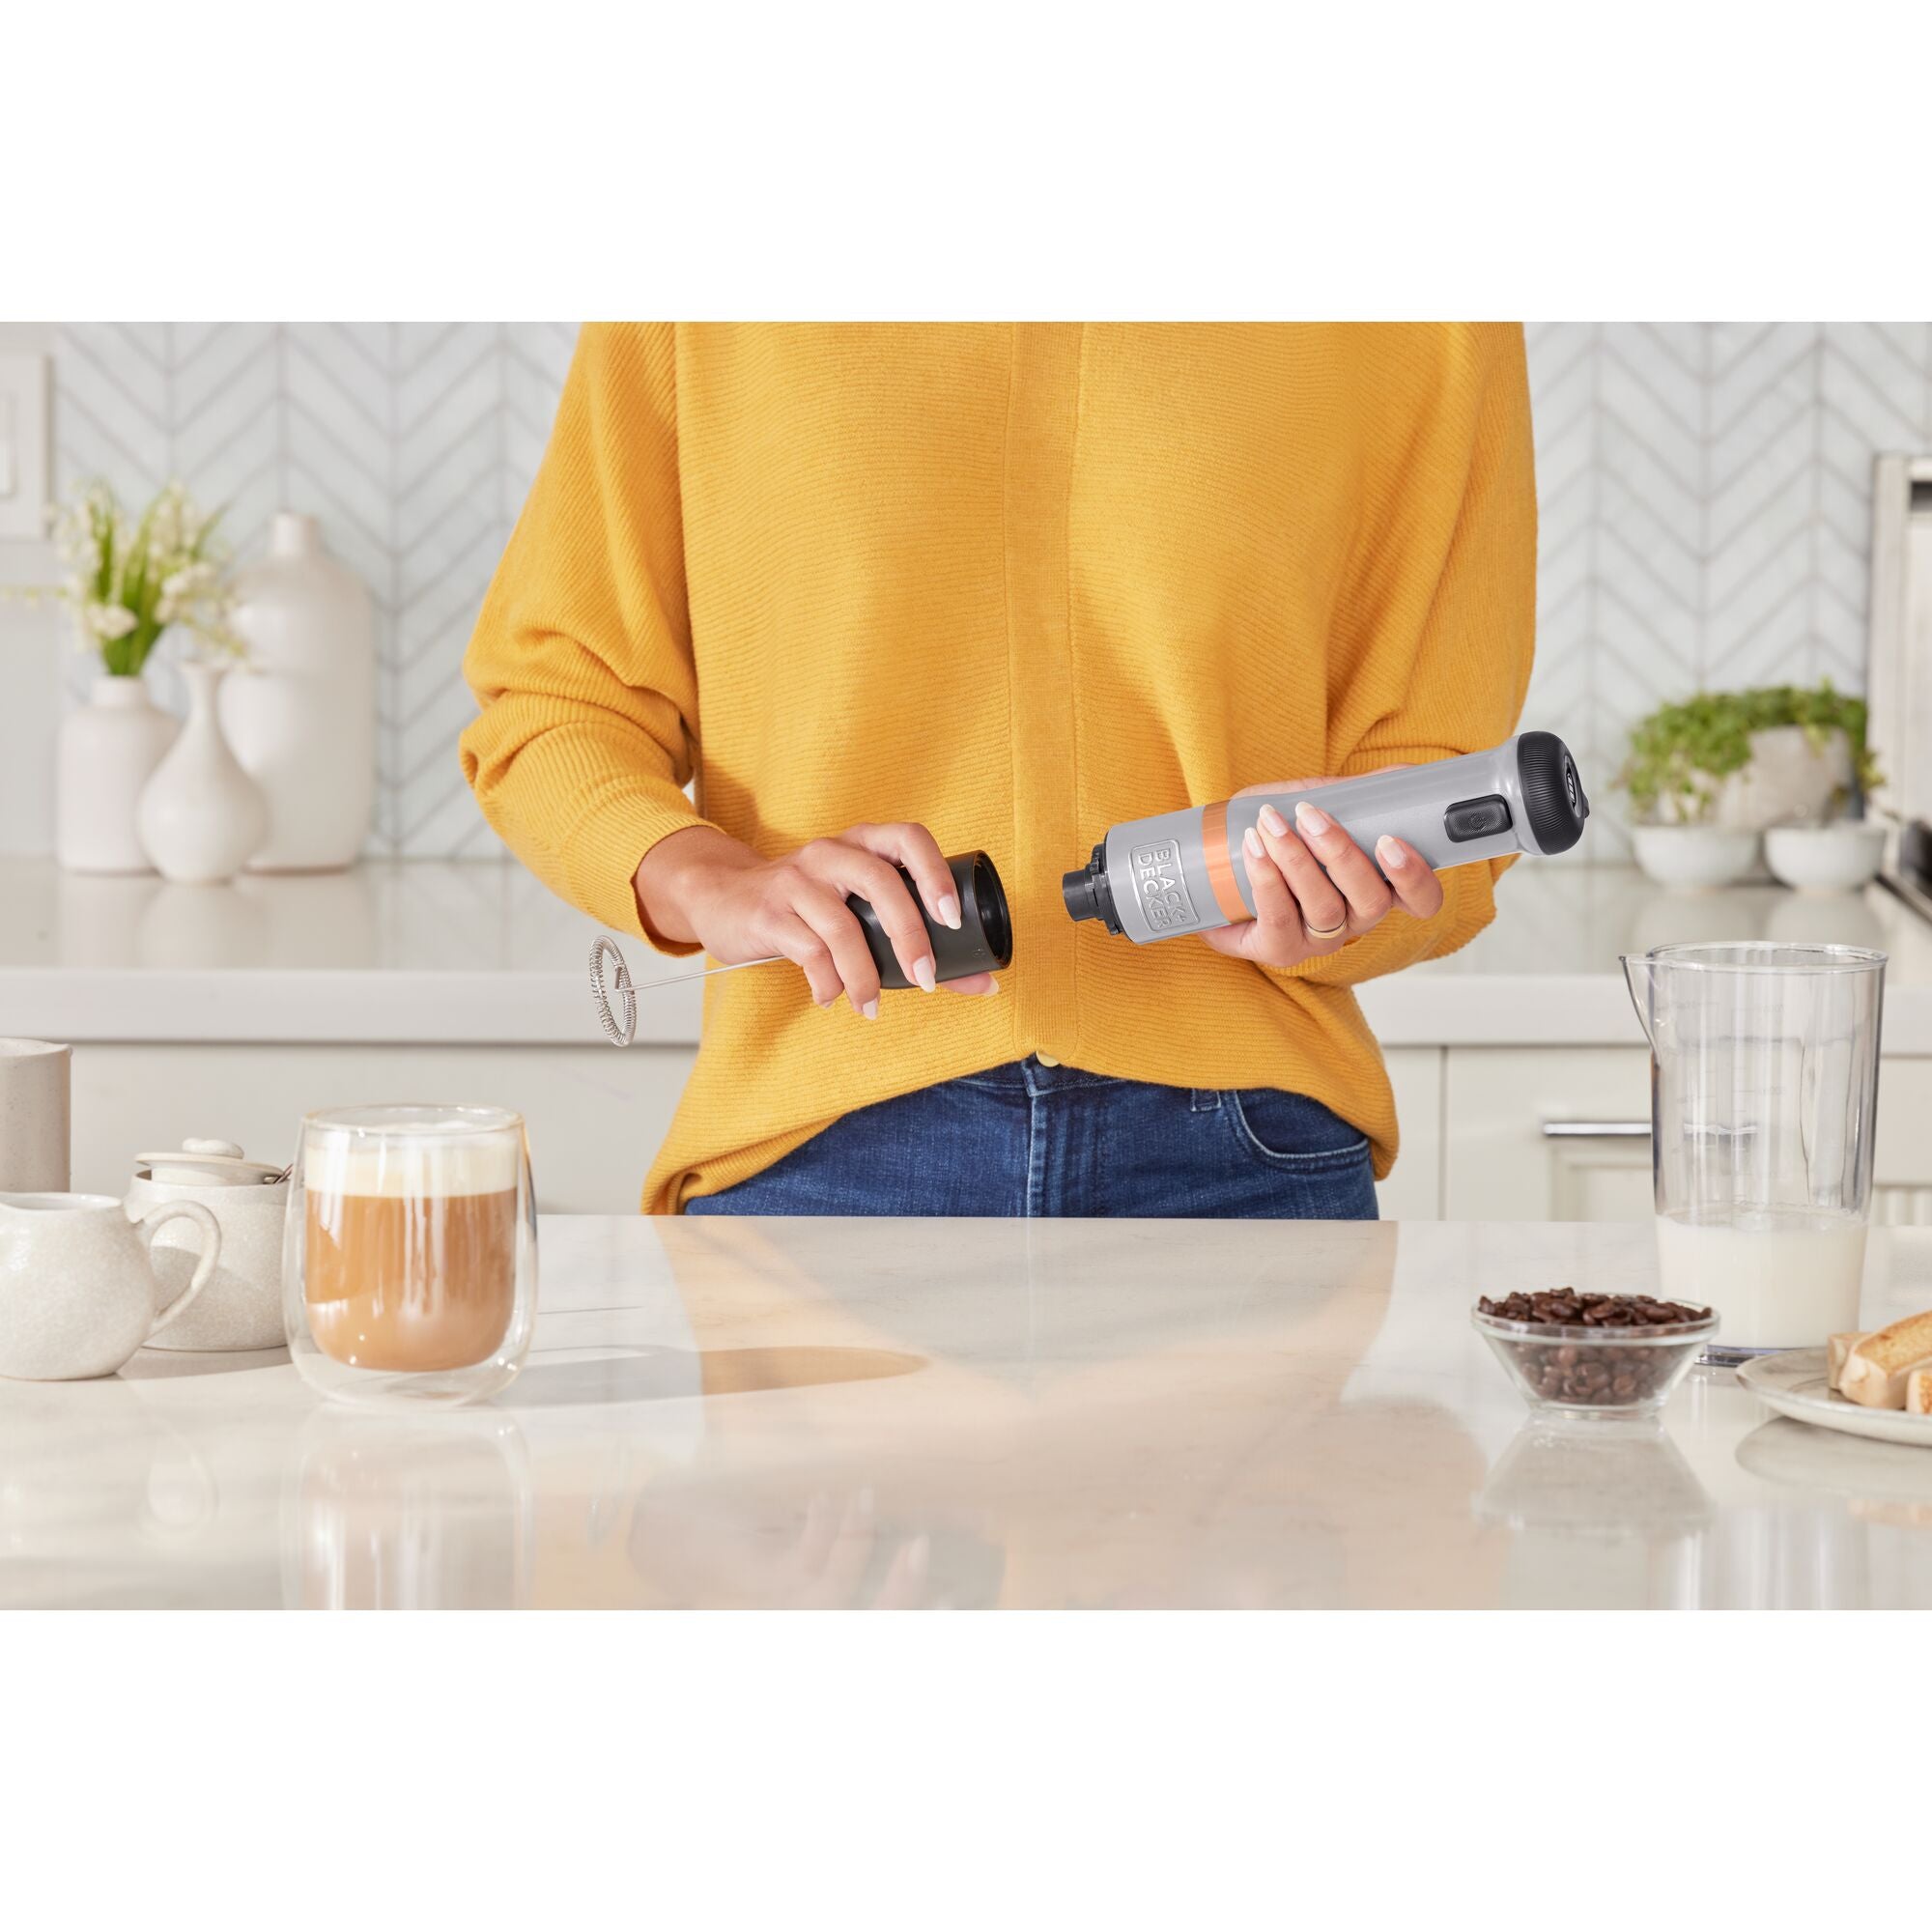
[(622, 1032)]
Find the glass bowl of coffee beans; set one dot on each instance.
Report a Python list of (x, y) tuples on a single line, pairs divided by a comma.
[(1575, 1353)]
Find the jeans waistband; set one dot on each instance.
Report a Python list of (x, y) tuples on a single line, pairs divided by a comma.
[(1024, 1079)]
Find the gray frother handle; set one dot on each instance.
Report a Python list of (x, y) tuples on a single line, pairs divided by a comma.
[(1163, 871)]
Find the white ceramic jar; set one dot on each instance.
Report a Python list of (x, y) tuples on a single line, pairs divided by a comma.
[(240, 1306), (107, 751), (35, 1105), (303, 721)]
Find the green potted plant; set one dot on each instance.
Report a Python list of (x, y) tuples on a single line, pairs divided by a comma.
[(1707, 776)]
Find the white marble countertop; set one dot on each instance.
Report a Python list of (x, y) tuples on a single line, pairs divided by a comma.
[(917, 1413), (433, 951)]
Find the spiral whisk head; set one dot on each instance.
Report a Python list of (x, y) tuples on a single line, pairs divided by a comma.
[(619, 1034)]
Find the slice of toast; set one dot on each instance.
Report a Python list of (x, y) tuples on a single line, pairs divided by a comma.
[(1918, 1392), (1877, 1368), (1837, 1348)]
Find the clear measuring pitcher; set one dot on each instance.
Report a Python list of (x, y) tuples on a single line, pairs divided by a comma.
[(1763, 1105)]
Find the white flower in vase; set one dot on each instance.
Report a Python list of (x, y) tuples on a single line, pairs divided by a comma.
[(127, 581)]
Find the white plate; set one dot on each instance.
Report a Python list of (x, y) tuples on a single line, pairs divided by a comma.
[(1794, 1384)]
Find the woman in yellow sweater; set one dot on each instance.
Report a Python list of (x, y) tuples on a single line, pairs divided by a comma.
[(891, 591)]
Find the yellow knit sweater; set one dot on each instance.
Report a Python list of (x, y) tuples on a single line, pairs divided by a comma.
[(1015, 584)]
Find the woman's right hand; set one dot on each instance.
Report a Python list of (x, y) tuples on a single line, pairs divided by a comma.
[(702, 885)]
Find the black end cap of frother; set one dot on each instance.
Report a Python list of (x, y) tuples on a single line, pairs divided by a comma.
[(1088, 893), (1552, 794), (983, 942)]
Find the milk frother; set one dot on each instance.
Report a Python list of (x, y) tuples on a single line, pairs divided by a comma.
[(982, 943), (1182, 872)]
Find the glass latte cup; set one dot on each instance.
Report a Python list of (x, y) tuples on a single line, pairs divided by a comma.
[(410, 1256)]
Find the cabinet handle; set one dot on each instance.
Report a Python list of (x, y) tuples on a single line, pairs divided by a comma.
[(1595, 1130)]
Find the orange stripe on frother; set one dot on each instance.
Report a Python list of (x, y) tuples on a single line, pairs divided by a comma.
[(1220, 867)]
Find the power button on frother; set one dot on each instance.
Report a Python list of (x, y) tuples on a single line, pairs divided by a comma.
[(1476, 818)]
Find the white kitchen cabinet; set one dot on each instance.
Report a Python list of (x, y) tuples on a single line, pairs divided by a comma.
[(1902, 1177), (1413, 1190), (1562, 1134), (1500, 1165), (596, 1116)]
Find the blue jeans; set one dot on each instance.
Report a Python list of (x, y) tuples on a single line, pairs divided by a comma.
[(1033, 1140)]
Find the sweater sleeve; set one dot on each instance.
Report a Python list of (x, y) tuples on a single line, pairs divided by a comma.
[(580, 659), (1439, 628)]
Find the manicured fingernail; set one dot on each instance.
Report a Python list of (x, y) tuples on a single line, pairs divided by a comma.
[(1273, 820), (1251, 843), (923, 974), (1312, 819), (871, 1008), (1391, 854), (990, 990), (949, 910)]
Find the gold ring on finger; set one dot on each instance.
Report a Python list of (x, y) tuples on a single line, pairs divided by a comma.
[(1334, 931)]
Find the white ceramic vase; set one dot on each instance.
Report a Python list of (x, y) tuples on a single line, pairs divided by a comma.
[(107, 751), (303, 721), (201, 816)]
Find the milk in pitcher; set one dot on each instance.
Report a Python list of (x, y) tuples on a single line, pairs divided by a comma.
[(1779, 1277)]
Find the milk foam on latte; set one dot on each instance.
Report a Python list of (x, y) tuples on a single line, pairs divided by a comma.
[(411, 1246)]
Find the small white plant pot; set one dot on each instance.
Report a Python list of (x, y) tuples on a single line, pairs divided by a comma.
[(105, 752), (1839, 858), (1694, 858)]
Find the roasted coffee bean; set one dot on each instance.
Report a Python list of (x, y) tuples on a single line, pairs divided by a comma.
[(1563, 1307)]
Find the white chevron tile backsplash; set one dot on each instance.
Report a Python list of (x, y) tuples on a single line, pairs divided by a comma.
[(1705, 494)]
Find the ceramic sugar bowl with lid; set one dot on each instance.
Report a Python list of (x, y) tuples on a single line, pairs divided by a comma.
[(241, 1307)]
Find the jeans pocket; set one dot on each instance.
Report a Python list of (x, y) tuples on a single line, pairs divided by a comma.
[(1290, 1130)]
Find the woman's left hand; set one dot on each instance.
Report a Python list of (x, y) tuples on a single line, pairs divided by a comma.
[(1303, 911)]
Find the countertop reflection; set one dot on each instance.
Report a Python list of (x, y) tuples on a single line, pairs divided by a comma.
[(897, 1414)]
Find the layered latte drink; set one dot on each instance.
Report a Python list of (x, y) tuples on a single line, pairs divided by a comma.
[(413, 1224)]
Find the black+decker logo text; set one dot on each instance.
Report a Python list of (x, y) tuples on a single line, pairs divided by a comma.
[(1157, 880)]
